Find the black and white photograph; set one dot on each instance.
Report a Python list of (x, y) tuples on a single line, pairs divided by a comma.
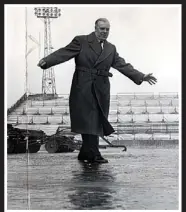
[(92, 107)]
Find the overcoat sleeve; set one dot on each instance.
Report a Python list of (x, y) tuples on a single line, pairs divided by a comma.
[(127, 69), (63, 54)]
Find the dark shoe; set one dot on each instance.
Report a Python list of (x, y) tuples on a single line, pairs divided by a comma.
[(100, 160), (83, 158), (85, 154), (95, 160), (80, 158)]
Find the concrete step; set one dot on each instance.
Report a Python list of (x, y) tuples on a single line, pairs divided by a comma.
[(113, 118)]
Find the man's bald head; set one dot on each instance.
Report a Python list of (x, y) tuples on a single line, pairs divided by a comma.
[(102, 20), (102, 27)]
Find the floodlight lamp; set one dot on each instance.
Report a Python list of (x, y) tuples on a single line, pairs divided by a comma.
[(47, 12)]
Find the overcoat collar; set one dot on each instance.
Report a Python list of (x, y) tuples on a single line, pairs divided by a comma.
[(94, 44)]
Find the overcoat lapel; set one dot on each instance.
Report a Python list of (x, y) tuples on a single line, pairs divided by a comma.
[(95, 46), (107, 50)]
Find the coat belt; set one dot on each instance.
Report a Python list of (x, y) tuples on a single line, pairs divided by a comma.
[(99, 72)]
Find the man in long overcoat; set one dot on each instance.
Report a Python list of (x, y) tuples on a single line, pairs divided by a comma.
[(89, 99)]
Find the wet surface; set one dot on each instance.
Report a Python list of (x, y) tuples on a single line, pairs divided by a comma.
[(141, 178)]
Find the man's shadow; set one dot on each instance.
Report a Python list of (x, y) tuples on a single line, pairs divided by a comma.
[(92, 187)]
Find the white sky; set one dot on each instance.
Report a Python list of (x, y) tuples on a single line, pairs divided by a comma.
[(147, 36)]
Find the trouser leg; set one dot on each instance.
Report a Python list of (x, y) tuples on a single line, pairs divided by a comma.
[(90, 147)]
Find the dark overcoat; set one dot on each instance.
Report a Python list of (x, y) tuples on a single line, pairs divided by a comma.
[(89, 99)]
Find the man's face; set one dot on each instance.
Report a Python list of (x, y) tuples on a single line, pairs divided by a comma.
[(102, 30)]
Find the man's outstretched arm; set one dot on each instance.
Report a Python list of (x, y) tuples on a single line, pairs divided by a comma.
[(61, 55), (128, 70)]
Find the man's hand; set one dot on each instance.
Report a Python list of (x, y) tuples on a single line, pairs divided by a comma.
[(41, 63), (150, 79)]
